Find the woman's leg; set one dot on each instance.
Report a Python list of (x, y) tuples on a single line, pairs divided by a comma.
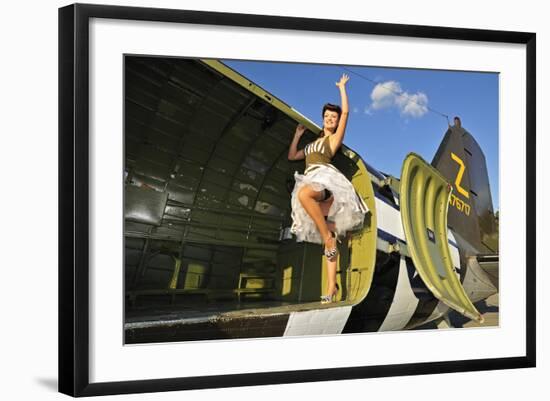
[(331, 263), (309, 198)]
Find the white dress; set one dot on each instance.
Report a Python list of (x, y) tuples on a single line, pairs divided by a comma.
[(347, 210)]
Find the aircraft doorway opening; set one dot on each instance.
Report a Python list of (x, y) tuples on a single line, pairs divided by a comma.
[(207, 202), (194, 260)]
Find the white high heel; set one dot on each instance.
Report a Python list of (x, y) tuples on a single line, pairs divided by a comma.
[(327, 299)]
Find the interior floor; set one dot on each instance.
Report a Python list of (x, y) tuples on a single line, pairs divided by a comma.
[(204, 312)]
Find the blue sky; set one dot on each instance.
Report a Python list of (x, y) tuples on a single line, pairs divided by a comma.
[(383, 128)]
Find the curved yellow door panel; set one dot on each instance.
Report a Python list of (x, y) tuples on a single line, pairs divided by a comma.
[(424, 202)]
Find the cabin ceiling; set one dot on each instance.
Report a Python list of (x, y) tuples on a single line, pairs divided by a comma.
[(216, 150)]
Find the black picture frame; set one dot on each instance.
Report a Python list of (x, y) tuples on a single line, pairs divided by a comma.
[(74, 198)]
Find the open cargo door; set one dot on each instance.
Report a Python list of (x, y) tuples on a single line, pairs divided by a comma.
[(424, 204)]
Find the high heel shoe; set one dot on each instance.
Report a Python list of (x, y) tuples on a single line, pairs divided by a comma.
[(327, 299)]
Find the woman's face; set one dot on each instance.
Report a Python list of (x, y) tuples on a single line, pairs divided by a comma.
[(330, 120)]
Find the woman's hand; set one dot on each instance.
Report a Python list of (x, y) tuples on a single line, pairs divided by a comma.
[(300, 129), (293, 153), (342, 83)]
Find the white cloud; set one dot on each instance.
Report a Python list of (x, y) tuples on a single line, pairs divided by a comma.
[(383, 95), (389, 94)]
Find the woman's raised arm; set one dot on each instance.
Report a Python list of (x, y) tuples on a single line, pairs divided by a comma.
[(338, 137)]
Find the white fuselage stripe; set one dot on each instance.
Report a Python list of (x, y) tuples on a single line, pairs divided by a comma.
[(329, 320), (404, 302), (389, 219)]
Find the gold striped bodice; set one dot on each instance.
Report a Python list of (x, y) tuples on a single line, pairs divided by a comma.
[(318, 152)]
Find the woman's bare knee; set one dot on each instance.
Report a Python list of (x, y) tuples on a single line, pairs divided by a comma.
[(303, 194), (307, 193)]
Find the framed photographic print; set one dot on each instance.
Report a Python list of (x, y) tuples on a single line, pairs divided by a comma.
[(239, 192)]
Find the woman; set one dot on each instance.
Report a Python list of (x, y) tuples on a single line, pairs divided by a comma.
[(323, 193)]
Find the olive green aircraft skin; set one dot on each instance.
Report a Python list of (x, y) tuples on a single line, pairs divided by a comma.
[(208, 252)]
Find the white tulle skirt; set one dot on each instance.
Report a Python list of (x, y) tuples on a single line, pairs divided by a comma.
[(347, 210)]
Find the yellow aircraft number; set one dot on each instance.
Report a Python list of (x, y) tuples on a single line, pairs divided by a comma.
[(455, 200), (460, 174)]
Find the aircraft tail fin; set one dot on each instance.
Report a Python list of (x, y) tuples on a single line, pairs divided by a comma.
[(471, 215)]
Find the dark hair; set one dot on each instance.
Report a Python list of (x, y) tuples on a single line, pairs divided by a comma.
[(330, 107), (457, 118)]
